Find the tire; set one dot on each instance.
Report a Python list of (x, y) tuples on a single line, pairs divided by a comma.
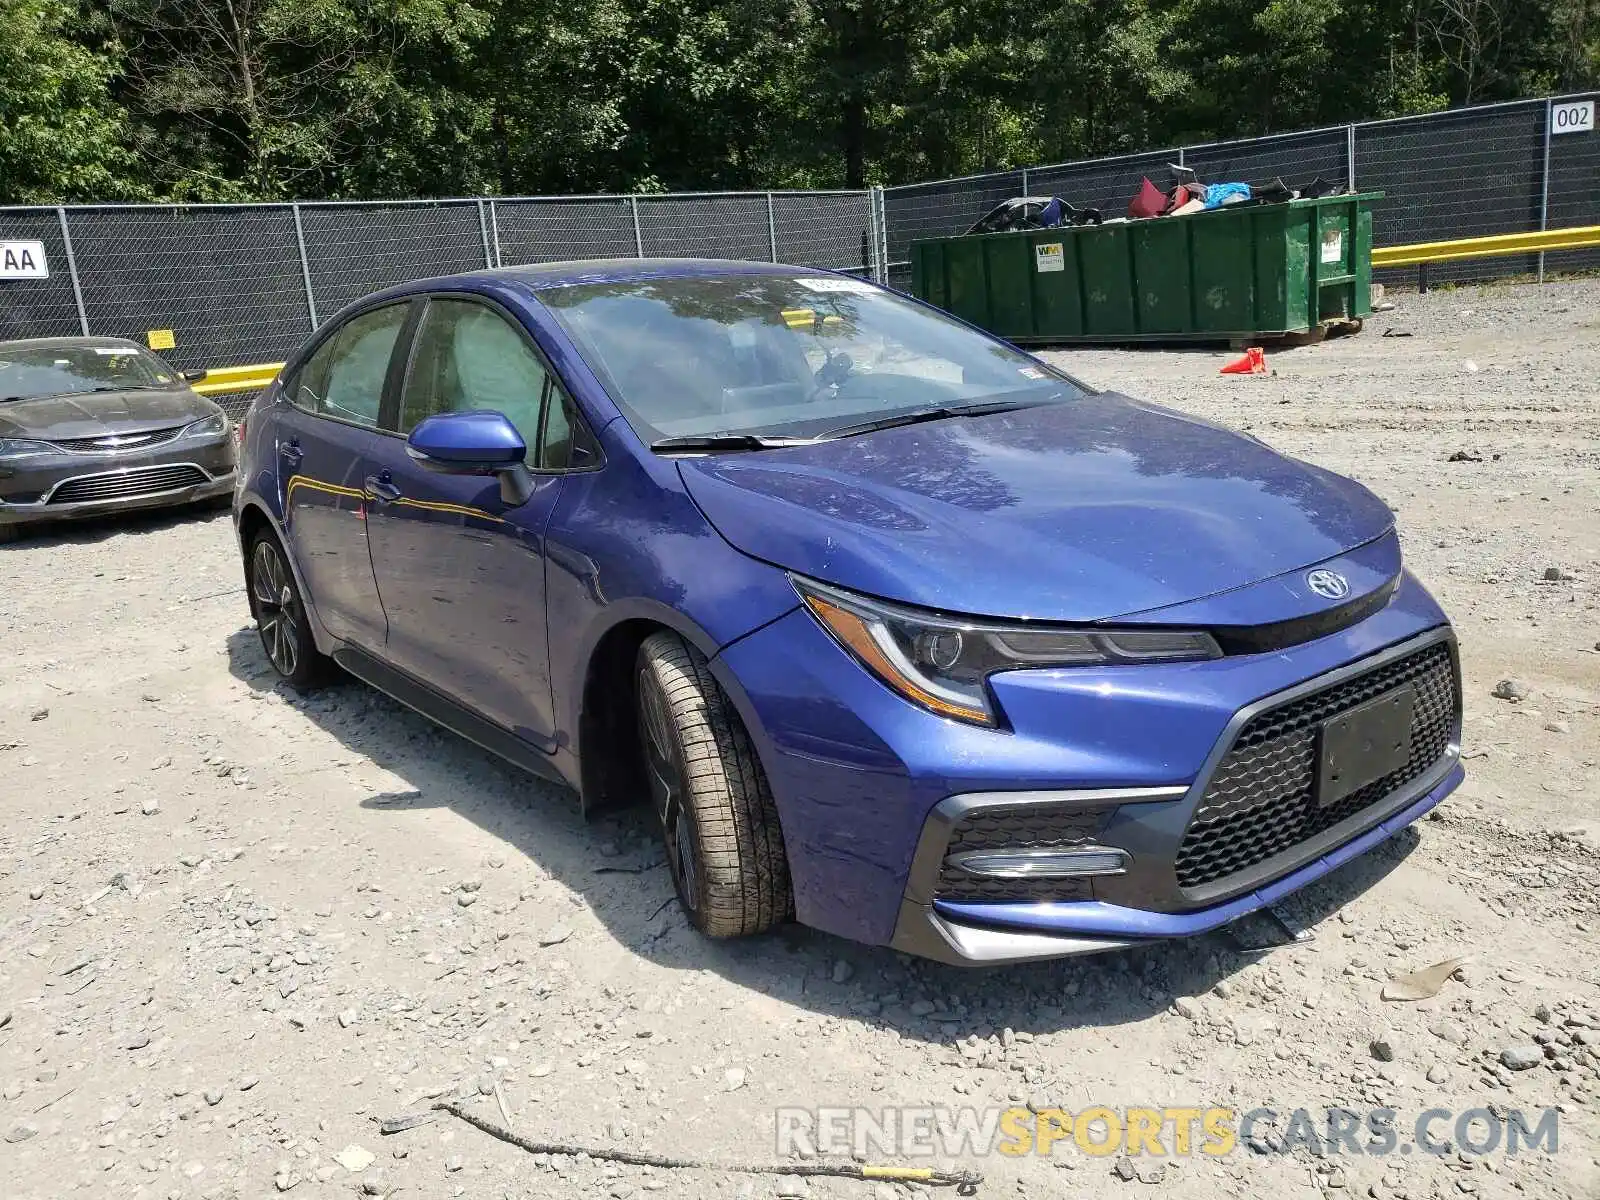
[(280, 615), (723, 838), (9, 533)]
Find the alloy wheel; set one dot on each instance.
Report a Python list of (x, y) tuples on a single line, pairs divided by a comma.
[(667, 789), (277, 607)]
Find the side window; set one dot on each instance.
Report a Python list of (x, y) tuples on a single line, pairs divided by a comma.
[(555, 447), (566, 443), (344, 378), (469, 357)]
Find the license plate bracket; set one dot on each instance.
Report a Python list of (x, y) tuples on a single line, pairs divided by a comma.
[(1365, 743)]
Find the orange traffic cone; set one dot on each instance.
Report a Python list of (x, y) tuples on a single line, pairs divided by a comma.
[(1252, 362)]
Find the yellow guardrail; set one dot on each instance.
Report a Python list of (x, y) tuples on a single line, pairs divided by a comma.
[(237, 379), (1574, 238)]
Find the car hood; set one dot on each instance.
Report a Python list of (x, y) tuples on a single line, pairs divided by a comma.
[(100, 413), (1079, 511)]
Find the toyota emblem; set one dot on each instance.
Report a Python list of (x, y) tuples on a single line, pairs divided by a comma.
[(1330, 585)]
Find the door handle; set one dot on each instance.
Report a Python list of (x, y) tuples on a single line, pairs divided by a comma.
[(292, 453), (381, 489)]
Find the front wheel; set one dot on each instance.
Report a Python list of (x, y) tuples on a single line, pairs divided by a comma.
[(723, 839), (280, 615)]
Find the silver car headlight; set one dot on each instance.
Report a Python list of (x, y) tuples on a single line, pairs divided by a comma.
[(941, 663), (14, 448), (210, 426)]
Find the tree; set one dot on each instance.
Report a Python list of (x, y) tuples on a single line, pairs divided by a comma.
[(61, 135), (267, 99)]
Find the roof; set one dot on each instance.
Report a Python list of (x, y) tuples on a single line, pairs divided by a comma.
[(607, 270)]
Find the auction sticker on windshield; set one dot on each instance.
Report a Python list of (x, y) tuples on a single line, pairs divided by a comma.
[(23, 260)]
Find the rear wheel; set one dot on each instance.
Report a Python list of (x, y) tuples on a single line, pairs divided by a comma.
[(723, 839), (9, 533), (281, 616)]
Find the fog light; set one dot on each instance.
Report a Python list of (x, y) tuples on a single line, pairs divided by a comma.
[(1043, 862)]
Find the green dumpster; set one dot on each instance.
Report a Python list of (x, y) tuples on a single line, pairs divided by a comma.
[(1230, 273)]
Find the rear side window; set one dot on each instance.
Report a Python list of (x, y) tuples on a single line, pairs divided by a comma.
[(344, 378), (469, 357)]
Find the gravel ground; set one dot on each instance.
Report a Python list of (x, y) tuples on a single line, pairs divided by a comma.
[(240, 927)]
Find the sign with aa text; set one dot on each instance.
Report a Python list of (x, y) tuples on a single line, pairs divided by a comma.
[(23, 260)]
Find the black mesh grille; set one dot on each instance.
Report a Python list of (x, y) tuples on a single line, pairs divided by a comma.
[(125, 484), (1260, 800), (1015, 828)]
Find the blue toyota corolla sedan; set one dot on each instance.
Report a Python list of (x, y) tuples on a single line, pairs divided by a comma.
[(903, 632)]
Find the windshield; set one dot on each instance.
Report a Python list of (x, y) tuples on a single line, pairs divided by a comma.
[(29, 372), (783, 355)]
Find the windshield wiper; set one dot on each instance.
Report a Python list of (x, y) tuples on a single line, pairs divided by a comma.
[(918, 415), (729, 441)]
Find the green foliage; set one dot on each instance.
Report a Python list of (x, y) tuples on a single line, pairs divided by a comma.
[(270, 99), (61, 136)]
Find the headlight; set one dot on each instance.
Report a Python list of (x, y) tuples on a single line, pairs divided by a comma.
[(207, 427), (941, 663), (11, 448)]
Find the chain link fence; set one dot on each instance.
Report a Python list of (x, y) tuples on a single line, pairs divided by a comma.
[(1464, 173), (246, 283)]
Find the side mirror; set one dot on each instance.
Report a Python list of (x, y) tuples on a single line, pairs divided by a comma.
[(193, 376), (474, 443)]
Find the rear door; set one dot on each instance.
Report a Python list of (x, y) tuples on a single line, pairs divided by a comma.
[(327, 439), (460, 572)]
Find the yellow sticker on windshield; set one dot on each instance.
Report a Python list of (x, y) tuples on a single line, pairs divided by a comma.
[(805, 318), (160, 339)]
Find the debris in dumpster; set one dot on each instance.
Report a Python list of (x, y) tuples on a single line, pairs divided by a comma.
[(965, 1182), (1149, 201), (1034, 212), (1219, 195), (1189, 194)]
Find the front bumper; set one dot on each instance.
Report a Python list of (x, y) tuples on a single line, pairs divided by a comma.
[(865, 784), (64, 487), (992, 935)]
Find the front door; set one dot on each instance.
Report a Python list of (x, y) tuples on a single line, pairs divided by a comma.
[(460, 572), (328, 436)]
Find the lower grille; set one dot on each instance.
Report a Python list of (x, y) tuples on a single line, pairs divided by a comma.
[(1016, 828), (118, 443), (122, 485), (1260, 801)]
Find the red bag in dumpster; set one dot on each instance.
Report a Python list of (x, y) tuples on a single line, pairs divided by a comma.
[(1183, 194), (1150, 202)]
